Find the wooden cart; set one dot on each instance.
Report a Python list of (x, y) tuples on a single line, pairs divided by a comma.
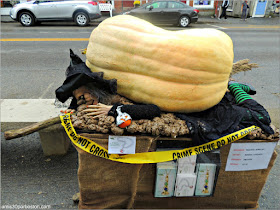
[(108, 184)]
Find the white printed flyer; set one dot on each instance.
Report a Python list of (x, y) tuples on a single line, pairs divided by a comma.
[(122, 144), (249, 156)]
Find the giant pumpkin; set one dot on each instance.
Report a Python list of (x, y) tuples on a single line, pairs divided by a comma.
[(179, 71)]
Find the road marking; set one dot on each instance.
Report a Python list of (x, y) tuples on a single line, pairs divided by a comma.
[(219, 27), (253, 26), (45, 92), (167, 28), (47, 32), (180, 29), (43, 39)]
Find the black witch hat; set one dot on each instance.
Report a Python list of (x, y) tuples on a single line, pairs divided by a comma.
[(78, 74)]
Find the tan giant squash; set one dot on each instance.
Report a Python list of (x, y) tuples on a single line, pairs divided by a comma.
[(180, 71)]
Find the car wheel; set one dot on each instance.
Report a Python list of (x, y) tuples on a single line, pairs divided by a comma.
[(81, 19), (184, 21), (26, 19)]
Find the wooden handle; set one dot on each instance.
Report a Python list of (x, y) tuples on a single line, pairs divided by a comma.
[(31, 128)]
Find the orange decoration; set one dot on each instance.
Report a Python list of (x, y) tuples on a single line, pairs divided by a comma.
[(125, 124)]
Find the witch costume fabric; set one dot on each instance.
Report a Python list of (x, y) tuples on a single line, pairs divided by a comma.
[(77, 75), (224, 118)]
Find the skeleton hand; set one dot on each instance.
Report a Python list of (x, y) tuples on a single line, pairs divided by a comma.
[(97, 110)]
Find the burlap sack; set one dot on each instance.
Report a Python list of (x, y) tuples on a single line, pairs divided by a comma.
[(108, 184), (233, 190)]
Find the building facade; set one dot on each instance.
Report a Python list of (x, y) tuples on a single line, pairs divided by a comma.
[(258, 8)]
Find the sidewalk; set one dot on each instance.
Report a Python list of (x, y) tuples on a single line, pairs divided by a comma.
[(233, 20)]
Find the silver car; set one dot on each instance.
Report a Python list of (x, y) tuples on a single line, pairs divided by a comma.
[(81, 12)]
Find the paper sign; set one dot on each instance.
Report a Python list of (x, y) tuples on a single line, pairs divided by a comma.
[(165, 179), (187, 165), (185, 185), (205, 179), (249, 156), (122, 145)]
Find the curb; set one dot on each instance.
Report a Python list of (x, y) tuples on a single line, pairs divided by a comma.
[(201, 20), (6, 19)]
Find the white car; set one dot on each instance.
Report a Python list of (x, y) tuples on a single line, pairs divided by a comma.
[(81, 12)]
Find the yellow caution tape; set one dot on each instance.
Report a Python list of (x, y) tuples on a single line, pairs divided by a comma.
[(147, 157)]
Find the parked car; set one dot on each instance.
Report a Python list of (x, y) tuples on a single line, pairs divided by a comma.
[(81, 12), (166, 12)]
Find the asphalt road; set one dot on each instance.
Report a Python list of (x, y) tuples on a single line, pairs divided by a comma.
[(34, 69), (45, 61)]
